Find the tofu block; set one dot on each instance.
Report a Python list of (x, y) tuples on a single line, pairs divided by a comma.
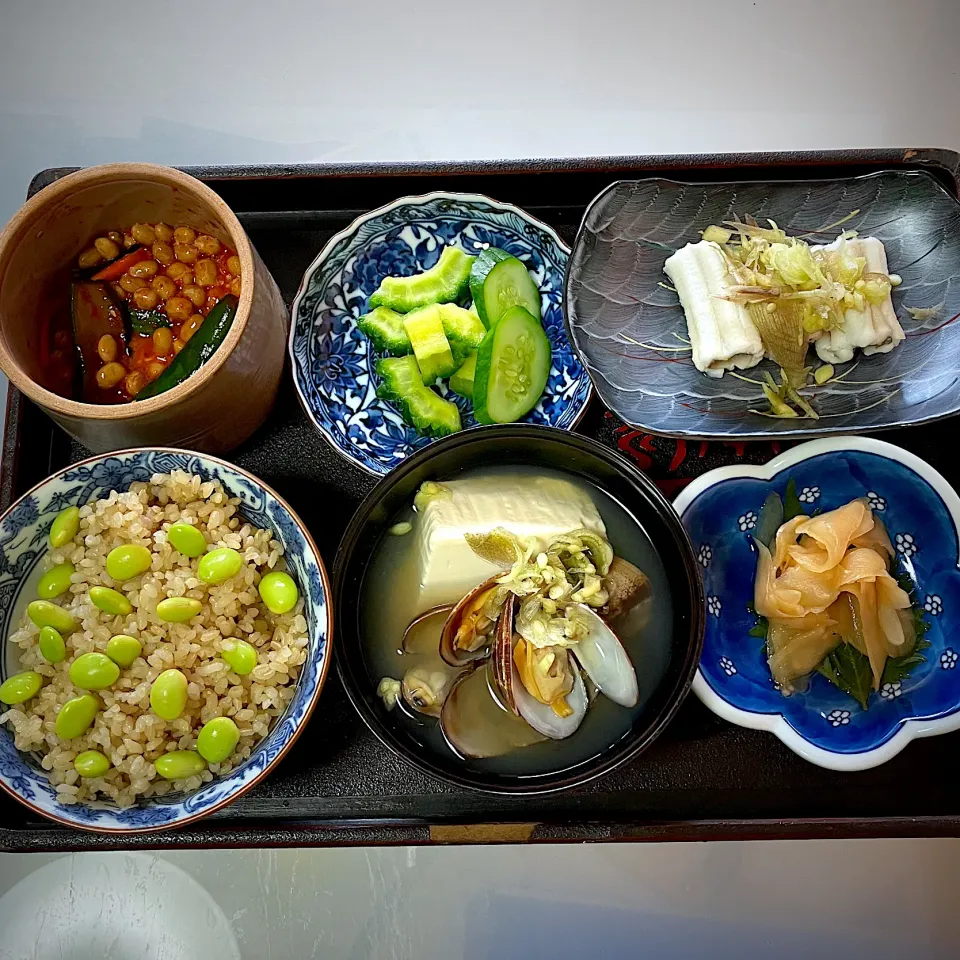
[(526, 505)]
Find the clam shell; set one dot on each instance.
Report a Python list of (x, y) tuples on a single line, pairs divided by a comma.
[(503, 653), (453, 656), (606, 662), (416, 638), (476, 725), (437, 681), (541, 717), (626, 586)]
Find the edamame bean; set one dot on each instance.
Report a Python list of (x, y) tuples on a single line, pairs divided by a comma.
[(123, 650), (110, 601), (219, 565), (178, 609), (93, 671), (278, 592), (187, 539), (180, 764), (52, 647), (20, 687), (46, 614), (55, 581), (218, 739), (91, 763), (76, 716), (65, 526), (168, 694), (240, 656), (128, 561)]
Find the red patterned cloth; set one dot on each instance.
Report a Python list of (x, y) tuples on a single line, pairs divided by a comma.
[(672, 463)]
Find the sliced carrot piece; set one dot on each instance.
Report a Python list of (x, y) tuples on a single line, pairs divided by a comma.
[(115, 270)]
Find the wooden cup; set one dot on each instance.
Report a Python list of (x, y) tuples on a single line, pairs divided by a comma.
[(214, 409)]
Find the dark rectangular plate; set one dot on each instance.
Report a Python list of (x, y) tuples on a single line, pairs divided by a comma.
[(703, 778), (613, 304)]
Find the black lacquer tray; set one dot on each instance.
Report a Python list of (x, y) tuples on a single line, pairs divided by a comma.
[(703, 778)]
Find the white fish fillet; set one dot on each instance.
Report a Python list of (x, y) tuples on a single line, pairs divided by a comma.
[(875, 329), (722, 334)]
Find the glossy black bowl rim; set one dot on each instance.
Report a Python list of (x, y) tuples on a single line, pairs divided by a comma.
[(633, 743)]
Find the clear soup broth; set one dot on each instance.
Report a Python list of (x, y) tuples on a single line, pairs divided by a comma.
[(389, 602)]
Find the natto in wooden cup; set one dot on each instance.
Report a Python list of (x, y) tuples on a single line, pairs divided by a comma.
[(215, 408)]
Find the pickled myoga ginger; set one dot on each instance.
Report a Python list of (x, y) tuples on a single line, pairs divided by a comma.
[(828, 582)]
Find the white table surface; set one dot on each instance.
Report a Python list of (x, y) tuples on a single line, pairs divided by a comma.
[(776, 900), (305, 81)]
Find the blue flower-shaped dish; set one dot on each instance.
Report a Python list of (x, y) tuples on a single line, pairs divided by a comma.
[(333, 362), (922, 514), (24, 529)]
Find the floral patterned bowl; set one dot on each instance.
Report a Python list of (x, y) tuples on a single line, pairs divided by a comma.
[(333, 363), (922, 514), (23, 542)]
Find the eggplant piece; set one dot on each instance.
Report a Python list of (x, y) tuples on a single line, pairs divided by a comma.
[(58, 359), (94, 313)]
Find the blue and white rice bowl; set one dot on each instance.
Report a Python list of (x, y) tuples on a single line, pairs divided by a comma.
[(823, 724), (24, 532)]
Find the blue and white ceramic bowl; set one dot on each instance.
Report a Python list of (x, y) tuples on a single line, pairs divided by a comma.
[(23, 542), (922, 514), (333, 363)]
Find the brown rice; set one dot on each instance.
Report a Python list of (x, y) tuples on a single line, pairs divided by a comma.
[(125, 729)]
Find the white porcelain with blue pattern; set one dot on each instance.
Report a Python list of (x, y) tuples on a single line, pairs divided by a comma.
[(24, 530), (922, 514), (333, 362)]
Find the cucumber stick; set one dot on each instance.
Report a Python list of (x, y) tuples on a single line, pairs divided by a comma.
[(462, 381), (444, 282), (513, 364), (200, 347), (499, 281), (426, 411), (424, 327), (384, 328)]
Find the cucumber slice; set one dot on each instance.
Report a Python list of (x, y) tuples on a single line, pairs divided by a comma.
[(479, 272), (462, 381), (499, 281), (427, 412), (444, 282), (430, 346), (513, 364), (464, 330), (384, 328)]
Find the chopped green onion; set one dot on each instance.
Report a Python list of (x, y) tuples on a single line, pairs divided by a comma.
[(926, 313), (716, 234), (779, 407)]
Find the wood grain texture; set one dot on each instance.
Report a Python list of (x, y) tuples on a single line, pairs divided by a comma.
[(482, 833), (213, 410)]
